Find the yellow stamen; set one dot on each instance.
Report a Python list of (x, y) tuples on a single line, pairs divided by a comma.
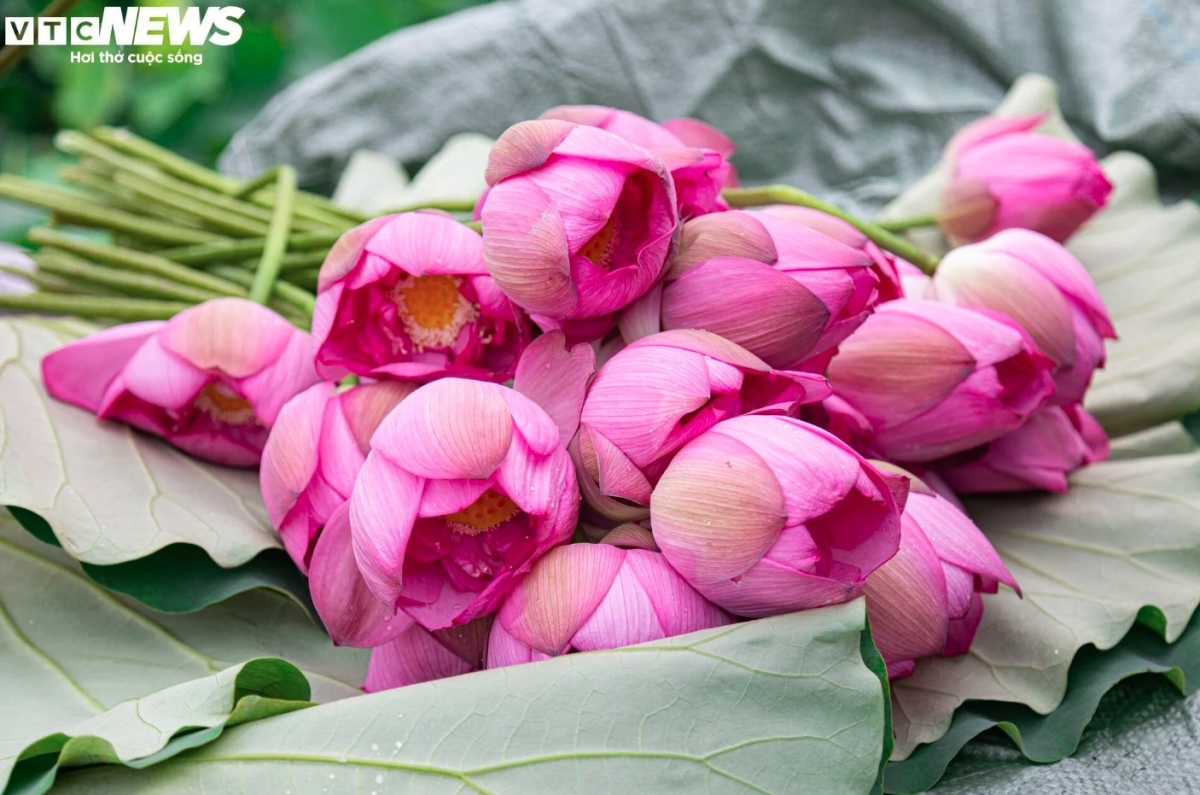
[(433, 309), (486, 513), (602, 245), (224, 405)]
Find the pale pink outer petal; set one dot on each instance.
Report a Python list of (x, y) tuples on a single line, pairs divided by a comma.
[(616, 475), (344, 256), (906, 599), (595, 144), (583, 191), (340, 454), (81, 371), (525, 248), (444, 497), (989, 337), (233, 335), (452, 429), (679, 607), (533, 425), (524, 146), (504, 649), (988, 128), (542, 486), (961, 631), (411, 658), (750, 303), (351, 613), (630, 126), (366, 406), (736, 233), (630, 536), (595, 496), (624, 616), (271, 387), (643, 317), (428, 243), (558, 595), (161, 378), (324, 316), (770, 588), (707, 344), (383, 508), (801, 247), (957, 539), (556, 379), (960, 590), (693, 132), (290, 457)]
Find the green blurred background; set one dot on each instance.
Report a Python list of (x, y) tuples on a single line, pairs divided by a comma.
[(191, 109)]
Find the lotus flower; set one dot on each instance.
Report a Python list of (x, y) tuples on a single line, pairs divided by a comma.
[(1041, 285), (768, 514), (923, 380), (578, 223), (466, 485), (658, 394), (926, 600), (1040, 454), (408, 296), (783, 291), (590, 597), (319, 442), (210, 380), (1006, 176), (695, 153)]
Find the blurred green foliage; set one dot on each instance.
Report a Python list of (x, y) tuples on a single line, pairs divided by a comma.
[(193, 109)]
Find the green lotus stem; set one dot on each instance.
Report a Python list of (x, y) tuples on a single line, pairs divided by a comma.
[(52, 284), (132, 260), (277, 238), (124, 309), (85, 212), (228, 222), (297, 297), (903, 224), (476, 225), (448, 205), (785, 194), (252, 186), (328, 215), (164, 159), (235, 250), (135, 284)]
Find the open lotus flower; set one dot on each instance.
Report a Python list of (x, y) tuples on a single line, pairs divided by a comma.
[(319, 442), (210, 380), (1041, 285), (408, 296), (466, 485), (922, 380), (782, 290), (658, 394), (926, 600), (1040, 454), (590, 597), (695, 153), (1005, 176), (578, 223), (768, 514)]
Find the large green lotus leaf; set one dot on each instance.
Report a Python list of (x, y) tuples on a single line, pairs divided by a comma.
[(793, 703), (1049, 738), (146, 519), (1124, 543), (1144, 257), (72, 653)]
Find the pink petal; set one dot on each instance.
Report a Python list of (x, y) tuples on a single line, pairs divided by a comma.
[(524, 146), (451, 428), (769, 588), (233, 335), (344, 256), (289, 460), (961, 632), (540, 486), (366, 405), (624, 616), (989, 128), (383, 508), (444, 497), (680, 609), (583, 192), (505, 650), (411, 658), (731, 234), (81, 371), (630, 536), (271, 387), (615, 472), (161, 378), (693, 132), (428, 243), (556, 379), (957, 539), (906, 600), (643, 317), (350, 611), (548, 607)]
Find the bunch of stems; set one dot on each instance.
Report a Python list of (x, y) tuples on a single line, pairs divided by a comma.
[(141, 233)]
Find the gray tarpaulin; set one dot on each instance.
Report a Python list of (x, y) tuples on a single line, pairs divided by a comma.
[(849, 98)]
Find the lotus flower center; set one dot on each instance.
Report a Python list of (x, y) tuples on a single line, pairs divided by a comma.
[(433, 309), (224, 405), (602, 245), (487, 513)]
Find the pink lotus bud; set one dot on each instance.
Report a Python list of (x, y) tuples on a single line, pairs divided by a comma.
[(467, 483), (780, 289), (418, 655), (210, 380), (1005, 176), (591, 597), (695, 153), (1041, 285), (578, 222), (313, 455), (658, 394), (923, 380), (768, 514), (925, 600), (1040, 454), (408, 296)]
